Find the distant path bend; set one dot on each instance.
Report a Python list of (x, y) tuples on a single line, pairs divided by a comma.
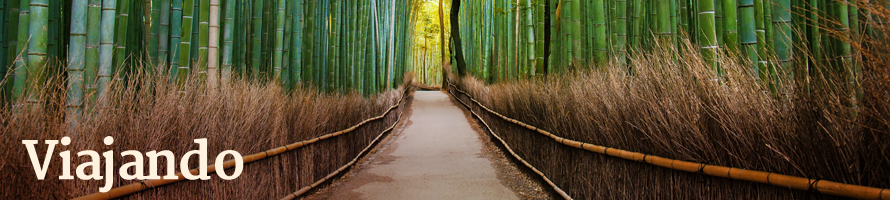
[(437, 155)]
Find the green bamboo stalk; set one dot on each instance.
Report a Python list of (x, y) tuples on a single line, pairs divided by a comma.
[(10, 32), (256, 37), (288, 48), (296, 65), (530, 33), (21, 51), (52, 32), (730, 25), (185, 44), (842, 48), (37, 51), (278, 65), (390, 65), (762, 48), (575, 8), (120, 37), (637, 24), (76, 53), (782, 41), (663, 20), (240, 42), (228, 39), (196, 40), (621, 30), (154, 35), (163, 33), (3, 50), (175, 37), (747, 31), (91, 62), (203, 39), (308, 49), (600, 44), (539, 39), (106, 47), (706, 22)]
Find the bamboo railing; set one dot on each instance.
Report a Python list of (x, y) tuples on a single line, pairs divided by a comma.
[(781, 180), (140, 186)]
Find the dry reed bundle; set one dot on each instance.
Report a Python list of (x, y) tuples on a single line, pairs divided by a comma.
[(149, 113)]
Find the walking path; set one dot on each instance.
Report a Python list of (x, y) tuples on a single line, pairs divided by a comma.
[(436, 156)]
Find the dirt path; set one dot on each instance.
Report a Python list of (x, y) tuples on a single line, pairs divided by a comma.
[(438, 155)]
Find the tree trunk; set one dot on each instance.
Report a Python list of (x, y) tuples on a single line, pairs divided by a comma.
[(455, 29)]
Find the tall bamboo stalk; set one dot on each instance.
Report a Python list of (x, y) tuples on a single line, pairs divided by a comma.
[(203, 39), (228, 39), (783, 46), (621, 30), (76, 53), (575, 8), (21, 51), (185, 44), (175, 38), (3, 51), (747, 31), (279, 43), (730, 25), (163, 33), (106, 47), (213, 51), (10, 33), (600, 45), (308, 50), (296, 65), (154, 35), (539, 39), (707, 24), (256, 40), (120, 37)]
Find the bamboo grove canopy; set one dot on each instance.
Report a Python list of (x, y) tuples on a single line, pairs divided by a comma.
[(334, 45), (509, 39)]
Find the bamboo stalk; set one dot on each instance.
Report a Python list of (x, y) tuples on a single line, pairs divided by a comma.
[(154, 36), (175, 38), (203, 39), (21, 51), (76, 53), (106, 46), (185, 43), (256, 39), (10, 33), (279, 43), (707, 24), (228, 40), (213, 51), (120, 38)]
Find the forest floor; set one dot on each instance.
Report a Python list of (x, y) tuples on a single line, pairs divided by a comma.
[(436, 154)]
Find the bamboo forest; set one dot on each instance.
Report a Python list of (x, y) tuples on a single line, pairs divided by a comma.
[(445, 99)]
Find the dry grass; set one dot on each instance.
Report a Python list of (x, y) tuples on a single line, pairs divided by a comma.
[(674, 106), (149, 114)]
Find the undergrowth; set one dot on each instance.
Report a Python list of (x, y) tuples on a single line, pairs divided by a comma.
[(149, 113), (667, 102)]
